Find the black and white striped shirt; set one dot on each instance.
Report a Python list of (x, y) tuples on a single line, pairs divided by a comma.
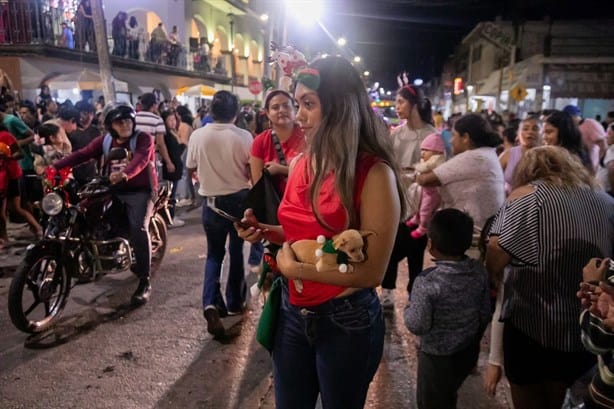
[(551, 234), (149, 122)]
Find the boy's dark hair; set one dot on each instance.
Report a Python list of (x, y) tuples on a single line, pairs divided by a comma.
[(69, 114), (48, 129), (451, 232), (148, 100), (224, 106)]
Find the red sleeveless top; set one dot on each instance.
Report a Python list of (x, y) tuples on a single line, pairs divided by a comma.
[(298, 220)]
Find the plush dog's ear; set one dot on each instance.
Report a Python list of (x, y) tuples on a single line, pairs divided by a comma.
[(366, 233)]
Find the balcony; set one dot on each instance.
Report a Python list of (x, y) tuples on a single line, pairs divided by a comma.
[(29, 29)]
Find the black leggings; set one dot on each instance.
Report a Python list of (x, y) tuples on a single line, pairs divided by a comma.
[(405, 246)]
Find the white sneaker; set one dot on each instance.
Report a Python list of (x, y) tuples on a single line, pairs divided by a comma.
[(387, 298), (177, 222), (184, 203)]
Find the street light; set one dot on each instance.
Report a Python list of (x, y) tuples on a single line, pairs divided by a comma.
[(357, 59), (307, 11), (366, 73), (341, 41), (264, 17)]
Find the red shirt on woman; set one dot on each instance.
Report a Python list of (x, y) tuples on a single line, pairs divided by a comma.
[(298, 220), (264, 148)]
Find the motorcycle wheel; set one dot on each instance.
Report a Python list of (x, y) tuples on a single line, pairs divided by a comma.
[(38, 292), (158, 234)]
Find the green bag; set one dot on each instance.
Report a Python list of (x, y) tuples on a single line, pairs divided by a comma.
[(267, 324)]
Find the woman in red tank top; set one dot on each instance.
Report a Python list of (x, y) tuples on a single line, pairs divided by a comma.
[(329, 337)]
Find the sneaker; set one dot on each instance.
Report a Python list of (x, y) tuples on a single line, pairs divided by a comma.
[(256, 269), (177, 222), (387, 299), (214, 323), (184, 203)]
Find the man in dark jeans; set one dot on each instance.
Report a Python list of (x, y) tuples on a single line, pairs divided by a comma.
[(220, 152), (135, 179)]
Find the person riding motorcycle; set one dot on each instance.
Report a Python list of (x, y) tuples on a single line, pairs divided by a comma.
[(135, 181)]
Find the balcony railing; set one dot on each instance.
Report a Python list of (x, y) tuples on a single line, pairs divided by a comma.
[(27, 22)]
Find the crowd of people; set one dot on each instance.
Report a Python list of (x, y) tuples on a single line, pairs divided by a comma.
[(534, 194)]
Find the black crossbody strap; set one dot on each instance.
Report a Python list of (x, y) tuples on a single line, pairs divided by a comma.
[(280, 153)]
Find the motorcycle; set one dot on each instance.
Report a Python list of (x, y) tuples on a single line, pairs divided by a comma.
[(85, 237)]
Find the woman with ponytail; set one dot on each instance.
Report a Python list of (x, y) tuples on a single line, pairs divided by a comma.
[(413, 107)]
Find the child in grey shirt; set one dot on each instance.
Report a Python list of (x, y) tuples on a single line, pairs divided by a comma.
[(449, 309)]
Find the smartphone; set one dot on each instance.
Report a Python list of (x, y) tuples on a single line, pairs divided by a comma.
[(230, 217)]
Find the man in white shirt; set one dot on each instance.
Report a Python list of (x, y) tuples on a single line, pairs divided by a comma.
[(219, 153)]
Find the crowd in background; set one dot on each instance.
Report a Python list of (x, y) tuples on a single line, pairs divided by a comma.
[(534, 188)]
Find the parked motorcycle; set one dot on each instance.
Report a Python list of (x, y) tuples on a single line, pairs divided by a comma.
[(85, 236)]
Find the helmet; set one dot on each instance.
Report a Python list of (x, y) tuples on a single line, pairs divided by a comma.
[(117, 110), (5, 150)]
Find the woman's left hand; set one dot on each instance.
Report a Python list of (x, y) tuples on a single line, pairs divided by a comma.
[(286, 261), (275, 168)]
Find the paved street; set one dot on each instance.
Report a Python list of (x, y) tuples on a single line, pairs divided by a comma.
[(106, 355)]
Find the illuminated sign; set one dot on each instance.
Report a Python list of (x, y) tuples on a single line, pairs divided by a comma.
[(458, 86)]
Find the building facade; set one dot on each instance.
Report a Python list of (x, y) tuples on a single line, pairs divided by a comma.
[(218, 44), (532, 66)]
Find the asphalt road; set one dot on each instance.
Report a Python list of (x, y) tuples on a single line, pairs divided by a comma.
[(104, 354)]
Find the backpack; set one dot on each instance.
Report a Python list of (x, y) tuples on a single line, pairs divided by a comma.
[(108, 141), (106, 147)]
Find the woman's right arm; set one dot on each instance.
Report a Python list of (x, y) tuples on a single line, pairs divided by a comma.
[(256, 232), (428, 179), (255, 166)]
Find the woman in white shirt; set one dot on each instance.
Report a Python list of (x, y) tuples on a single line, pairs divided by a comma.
[(472, 180), (413, 107)]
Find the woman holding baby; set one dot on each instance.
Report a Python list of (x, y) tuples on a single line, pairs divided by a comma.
[(329, 337)]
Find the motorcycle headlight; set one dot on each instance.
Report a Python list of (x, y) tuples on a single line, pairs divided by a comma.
[(52, 204)]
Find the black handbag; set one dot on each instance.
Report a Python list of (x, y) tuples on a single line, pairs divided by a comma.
[(264, 200)]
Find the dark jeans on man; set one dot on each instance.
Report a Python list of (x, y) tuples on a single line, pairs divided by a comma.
[(139, 209), (440, 376), (405, 246), (217, 229), (332, 349)]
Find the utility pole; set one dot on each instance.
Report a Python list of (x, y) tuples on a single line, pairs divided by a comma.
[(104, 60)]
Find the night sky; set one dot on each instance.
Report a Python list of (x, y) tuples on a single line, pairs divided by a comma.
[(392, 36)]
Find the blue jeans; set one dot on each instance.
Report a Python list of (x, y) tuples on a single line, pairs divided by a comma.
[(172, 200), (185, 188), (332, 349), (217, 229), (255, 254)]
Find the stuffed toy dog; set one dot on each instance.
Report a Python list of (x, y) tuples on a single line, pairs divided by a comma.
[(331, 254)]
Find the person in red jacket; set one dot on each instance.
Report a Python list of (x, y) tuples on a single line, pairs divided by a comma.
[(10, 194), (135, 178)]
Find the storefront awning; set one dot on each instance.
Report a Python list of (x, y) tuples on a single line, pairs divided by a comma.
[(197, 90), (82, 80)]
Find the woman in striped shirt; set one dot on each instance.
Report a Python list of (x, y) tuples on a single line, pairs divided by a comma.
[(544, 234)]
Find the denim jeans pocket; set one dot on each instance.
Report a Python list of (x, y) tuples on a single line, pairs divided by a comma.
[(357, 318)]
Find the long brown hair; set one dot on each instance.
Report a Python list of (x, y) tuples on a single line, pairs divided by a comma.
[(349, 127)]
